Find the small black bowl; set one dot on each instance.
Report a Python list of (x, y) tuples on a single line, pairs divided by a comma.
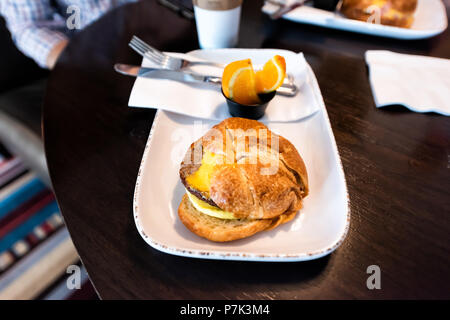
[(250, 111)]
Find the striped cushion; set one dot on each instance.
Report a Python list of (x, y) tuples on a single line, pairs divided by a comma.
[(35, 247)]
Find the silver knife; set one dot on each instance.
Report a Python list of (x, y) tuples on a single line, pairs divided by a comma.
[(154, 73), (183, 76)]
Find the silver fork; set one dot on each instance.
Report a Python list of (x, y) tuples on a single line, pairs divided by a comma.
[(164, 60), (172, 63), (283, 8)]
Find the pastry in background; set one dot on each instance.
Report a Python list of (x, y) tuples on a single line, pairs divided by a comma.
[(397, 13)]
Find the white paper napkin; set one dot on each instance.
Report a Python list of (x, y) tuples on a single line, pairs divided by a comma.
[(206, 101), (420, 83)]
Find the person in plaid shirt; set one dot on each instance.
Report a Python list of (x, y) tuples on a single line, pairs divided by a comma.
[(41, 28)]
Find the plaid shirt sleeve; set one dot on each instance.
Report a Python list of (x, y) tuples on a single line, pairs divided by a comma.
[(35, 26)]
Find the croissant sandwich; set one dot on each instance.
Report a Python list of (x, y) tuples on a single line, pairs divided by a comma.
[(240, 179), (398, 13)]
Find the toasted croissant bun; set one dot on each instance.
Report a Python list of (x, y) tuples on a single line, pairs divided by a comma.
[(398, 13), (221, 230), (253, 174)]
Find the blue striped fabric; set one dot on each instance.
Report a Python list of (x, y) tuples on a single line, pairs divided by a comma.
[(25, 228), (23, 194), (33, 237), (34, 257)]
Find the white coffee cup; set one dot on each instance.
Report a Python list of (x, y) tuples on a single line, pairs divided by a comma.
[(217, 22)]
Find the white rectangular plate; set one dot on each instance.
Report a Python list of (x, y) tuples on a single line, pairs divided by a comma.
[(430, 19), (317, 230)]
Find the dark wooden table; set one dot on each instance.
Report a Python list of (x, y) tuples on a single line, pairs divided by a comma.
[(397, 165)]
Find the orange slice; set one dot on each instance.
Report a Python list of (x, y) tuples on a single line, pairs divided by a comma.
[(271, 77), (238, 82)]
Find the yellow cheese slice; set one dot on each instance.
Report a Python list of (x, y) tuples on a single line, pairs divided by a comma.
[(208, 209), (200, 179)]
